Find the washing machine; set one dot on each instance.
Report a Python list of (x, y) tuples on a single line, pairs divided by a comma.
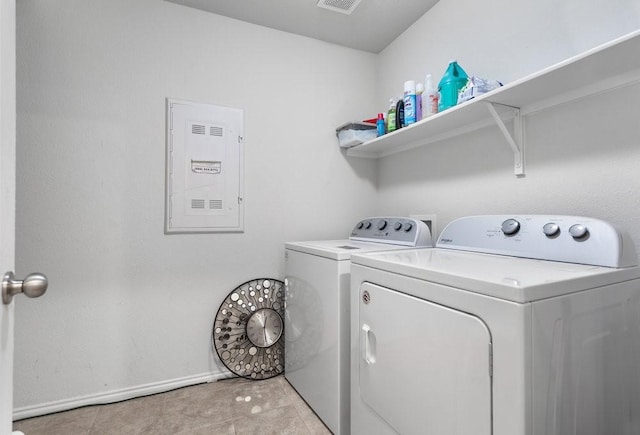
[(511, 325), (317, 310)]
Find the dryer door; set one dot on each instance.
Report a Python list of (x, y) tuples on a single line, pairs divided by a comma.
[(423, 367)]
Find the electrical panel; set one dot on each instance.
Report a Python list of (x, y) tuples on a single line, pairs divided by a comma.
[(204, 179)]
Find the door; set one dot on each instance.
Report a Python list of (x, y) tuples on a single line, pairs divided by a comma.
[(7, 199), (423, 368)]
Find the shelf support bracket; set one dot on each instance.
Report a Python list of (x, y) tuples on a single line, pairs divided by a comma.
[(515, 141)]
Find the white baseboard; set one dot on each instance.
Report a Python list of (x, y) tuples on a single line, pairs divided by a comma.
[(115, 395)]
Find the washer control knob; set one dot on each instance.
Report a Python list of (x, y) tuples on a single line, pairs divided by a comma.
[(360, 225), (367, 225), (578, 231), (551, 229), (382, 224), (510, 227), (397, 226), (408, 227)]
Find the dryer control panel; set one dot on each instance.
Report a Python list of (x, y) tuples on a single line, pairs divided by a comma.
[(572, 239), (392, 230)]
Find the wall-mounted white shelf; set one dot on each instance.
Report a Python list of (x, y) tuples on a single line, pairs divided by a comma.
[(603, 68)]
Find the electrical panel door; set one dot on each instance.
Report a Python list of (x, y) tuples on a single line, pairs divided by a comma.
[(204, 168)]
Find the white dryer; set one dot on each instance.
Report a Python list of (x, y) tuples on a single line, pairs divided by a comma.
[(317, 310), (511, 325)]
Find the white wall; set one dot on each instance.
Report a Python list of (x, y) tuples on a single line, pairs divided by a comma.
[(581, 158), (500, 39), (128, 306)]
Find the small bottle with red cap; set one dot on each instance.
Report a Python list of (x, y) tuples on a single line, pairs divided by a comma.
[(380, 124)]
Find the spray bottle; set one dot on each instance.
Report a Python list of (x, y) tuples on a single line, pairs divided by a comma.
[(419, 107), (429, 98), (391, 116), (409, 102)]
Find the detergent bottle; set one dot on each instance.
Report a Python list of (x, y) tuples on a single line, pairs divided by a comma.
[(451, 82), (391, 116)]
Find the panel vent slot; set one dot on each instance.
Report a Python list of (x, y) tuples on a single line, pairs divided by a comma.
[(215, 204), (197, 203), (197, 129), (215, 131), (342, 6)]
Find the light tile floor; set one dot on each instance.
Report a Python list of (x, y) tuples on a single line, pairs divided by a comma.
[(228, 407)]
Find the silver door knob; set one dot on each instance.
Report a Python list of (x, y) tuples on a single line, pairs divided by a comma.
[(33, 286)]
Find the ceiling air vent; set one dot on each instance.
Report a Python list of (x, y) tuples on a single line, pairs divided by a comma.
[(342, 6)]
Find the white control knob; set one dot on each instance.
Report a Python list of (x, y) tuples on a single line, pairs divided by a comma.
[(551, 229), (360, 225), (367, 225), (397, 226), (578, 231), (510, 227), (408, 226), (382, 224)]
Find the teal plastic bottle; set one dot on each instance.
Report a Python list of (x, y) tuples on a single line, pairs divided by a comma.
[(452, 81)]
